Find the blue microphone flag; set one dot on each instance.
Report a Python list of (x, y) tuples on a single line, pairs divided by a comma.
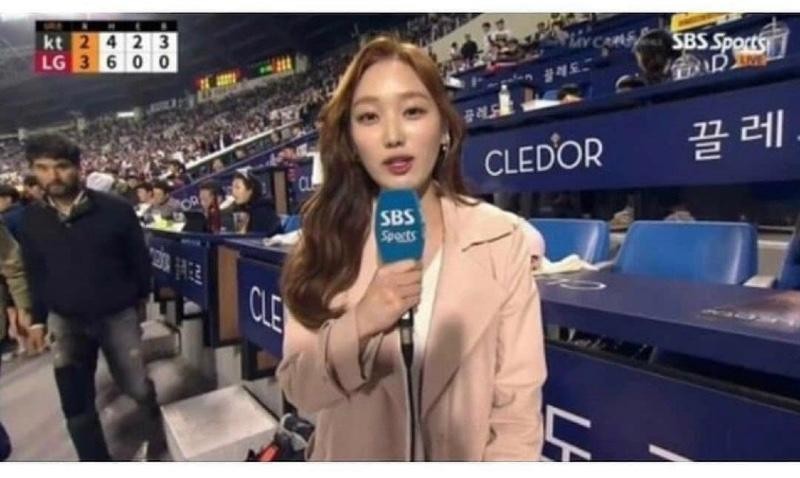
[(399, 228)]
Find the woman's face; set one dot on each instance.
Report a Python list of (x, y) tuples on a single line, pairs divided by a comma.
[(159, 196), (206, 199), (396, 126), (144, 195), (240, 192)]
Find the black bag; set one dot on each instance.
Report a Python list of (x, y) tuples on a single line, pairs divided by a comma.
[(288, 444)]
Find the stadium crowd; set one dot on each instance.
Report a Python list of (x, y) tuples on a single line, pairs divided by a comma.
[(148, 146), (144, 147)]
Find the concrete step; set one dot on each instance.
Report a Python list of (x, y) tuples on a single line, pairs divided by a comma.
[(190, 308), (159, 340), (217, 426)]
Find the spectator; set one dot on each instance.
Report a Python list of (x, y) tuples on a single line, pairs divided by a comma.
[(570, 93), (144, 197), (162, 205), (177, 174), (225, 139), (541, 29), (655, 51), (502, 35), (9, 198), (487, 38), (557, 33), (436, 29), (454, 52), (628, 83), (211, 197), (511, 52), (11, 207), (13, 274), (93, 277), (32, 191), (217, 165), (553, 35), (680, 213), (253, 212), (531, 49), (132, 181), (11, 212), (102, 182), (469, 50)]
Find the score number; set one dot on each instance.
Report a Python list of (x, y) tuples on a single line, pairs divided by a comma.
[(135, 52)]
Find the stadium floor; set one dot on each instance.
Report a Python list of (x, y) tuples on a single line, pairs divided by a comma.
[(31, 411)]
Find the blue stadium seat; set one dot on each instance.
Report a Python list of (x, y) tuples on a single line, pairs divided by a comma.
[(292, 223), (585, 237), (789, 277), (550, 95), (714, 252)]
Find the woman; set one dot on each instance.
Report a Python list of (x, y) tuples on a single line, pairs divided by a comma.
[(217, 165), (211, 196), (255, 212), (479, 367)]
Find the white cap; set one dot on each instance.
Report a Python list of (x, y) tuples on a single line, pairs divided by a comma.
[(100, 182)]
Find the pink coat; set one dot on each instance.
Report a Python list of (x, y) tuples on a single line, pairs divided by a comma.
[(484, 365)]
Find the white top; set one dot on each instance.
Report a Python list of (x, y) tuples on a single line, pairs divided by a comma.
[(504, 34), (142, 208), (422, 323)]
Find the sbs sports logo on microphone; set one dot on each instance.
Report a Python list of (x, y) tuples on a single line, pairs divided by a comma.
[(398, 218)]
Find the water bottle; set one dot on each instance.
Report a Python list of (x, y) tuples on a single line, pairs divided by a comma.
[(775, 36), (504, 97)]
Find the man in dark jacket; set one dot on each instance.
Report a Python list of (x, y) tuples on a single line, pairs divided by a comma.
[(88, 264), (469, 50)]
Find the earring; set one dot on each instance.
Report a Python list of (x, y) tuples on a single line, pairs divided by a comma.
[(445, 143)]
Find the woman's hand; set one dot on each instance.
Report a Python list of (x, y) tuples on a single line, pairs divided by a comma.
[(394, 289)]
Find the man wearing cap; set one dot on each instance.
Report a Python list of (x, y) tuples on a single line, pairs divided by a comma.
[(87, 264)]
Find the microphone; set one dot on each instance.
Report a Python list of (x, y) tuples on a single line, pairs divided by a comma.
[(399, 232)]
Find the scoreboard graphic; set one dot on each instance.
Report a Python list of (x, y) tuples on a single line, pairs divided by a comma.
[(92, 47)]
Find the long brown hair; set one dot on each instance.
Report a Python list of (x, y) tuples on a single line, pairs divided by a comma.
[(336, 217)]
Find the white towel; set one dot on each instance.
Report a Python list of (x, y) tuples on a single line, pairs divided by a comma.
[(571, 263), (288, 239)]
